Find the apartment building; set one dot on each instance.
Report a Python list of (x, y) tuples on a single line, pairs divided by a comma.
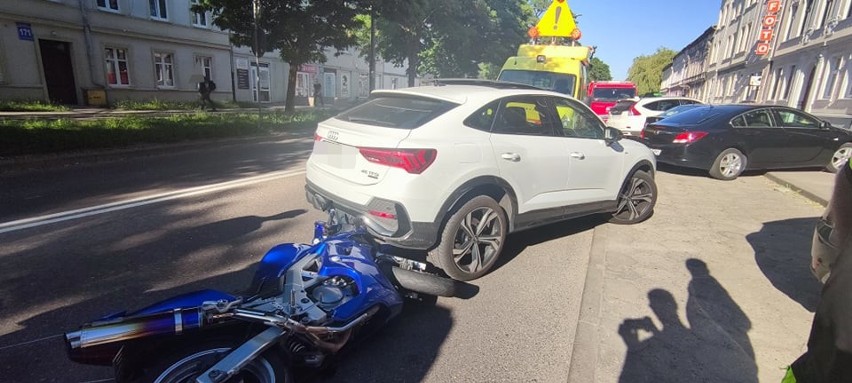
[(811, 63), (734, 66), (786, 52), (686, 75), (96, 51)]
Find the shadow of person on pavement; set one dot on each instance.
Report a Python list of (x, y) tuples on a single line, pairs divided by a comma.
[(664, 354), (720, 324), (715, 347), (782, 250)]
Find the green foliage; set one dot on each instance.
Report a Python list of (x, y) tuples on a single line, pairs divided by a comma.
[(154, 104), (449, 38), (599, 70), (40, 136), (300, 30), (647, 70), (489, 71), (31, 106)]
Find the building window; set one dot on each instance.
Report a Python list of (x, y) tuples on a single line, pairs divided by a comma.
[(733, 45), (829, 12), (110, 5), (158, 9), (205, 65), (791, 19), (164, 67), (788, 83), (807, 18), (776, 83), (116, 66), (831, 76), (199, 19)]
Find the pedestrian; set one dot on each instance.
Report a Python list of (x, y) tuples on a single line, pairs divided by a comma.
[(205, 88), (828, 357), (318, 94)]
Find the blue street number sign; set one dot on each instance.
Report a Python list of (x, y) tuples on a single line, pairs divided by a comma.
[(25, 31)]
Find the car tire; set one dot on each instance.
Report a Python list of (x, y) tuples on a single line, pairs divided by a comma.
[(472, 239), (636, 200), (728, 165), (840, 158)]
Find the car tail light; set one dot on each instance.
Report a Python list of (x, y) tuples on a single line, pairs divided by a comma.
[(642, 133), (688, 137), (633, 112), (414, 161), (317, 137)]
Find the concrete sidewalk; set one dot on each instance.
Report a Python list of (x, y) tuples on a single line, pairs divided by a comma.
[(715, 287)]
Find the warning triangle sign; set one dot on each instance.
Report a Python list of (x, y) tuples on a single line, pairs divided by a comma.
[(557, 21)]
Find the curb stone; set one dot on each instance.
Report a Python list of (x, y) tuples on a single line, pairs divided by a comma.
[(584, 353), (811, 196)]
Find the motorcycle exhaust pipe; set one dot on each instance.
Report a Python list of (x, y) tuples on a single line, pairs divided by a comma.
[(124, 329)]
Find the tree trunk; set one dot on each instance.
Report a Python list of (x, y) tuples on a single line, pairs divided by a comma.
[(413, 60), (290, 106)]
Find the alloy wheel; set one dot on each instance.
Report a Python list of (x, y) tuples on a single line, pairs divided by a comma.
[(731, 165), (635, 199), (841, 156), (478, 239)]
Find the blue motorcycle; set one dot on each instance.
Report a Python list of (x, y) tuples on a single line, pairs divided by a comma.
[(304, 305)]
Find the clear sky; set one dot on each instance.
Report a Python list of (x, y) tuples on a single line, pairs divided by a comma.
[(625, 29)]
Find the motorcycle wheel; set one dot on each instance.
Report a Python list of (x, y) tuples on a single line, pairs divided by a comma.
[(188, 361)]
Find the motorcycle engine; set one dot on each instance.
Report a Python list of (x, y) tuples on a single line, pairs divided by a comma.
[(333, 292)]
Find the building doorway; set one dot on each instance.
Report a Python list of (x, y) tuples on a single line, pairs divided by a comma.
[(262, 90), (806, 93), (58, 71)]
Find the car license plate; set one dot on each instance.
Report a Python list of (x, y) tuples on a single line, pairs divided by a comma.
[(656, 151)]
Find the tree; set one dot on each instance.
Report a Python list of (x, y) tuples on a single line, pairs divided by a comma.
[(300, 30), (647, 71), (449, 38), (599, 70)]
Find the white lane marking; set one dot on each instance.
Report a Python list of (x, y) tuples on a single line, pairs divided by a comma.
[(31, 342), (141, 201)]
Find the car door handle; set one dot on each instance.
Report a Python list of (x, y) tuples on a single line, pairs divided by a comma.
[(514, 157), (578, 155)]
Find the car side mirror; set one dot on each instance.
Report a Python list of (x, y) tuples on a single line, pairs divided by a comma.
[(612, 135), (824, 124)]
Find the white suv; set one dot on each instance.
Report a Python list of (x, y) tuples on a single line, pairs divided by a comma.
[(454, 167), (630, 115)]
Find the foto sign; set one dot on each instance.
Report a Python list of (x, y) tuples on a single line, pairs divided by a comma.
[(770, 19)]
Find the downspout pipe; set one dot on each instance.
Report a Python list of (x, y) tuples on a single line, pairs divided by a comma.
[(87, 37)]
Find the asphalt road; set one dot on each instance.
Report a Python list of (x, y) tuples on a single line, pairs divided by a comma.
[(84, 240)]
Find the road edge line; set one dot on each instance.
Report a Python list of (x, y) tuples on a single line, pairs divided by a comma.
[(585, 349)]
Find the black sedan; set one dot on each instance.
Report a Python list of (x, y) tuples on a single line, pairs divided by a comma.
[(729, 139)]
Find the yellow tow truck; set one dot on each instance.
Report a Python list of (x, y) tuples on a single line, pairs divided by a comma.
[(554, 59)]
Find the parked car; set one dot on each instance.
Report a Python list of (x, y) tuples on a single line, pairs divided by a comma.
[(629, 116), (601, 96), (729, 139), (455, 167), (670, 112)]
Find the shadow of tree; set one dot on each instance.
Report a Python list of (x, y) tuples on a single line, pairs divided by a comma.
[(782, 250)]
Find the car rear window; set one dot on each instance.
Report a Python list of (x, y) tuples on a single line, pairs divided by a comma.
[(402, 112), (693, 116), (613, 93)]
